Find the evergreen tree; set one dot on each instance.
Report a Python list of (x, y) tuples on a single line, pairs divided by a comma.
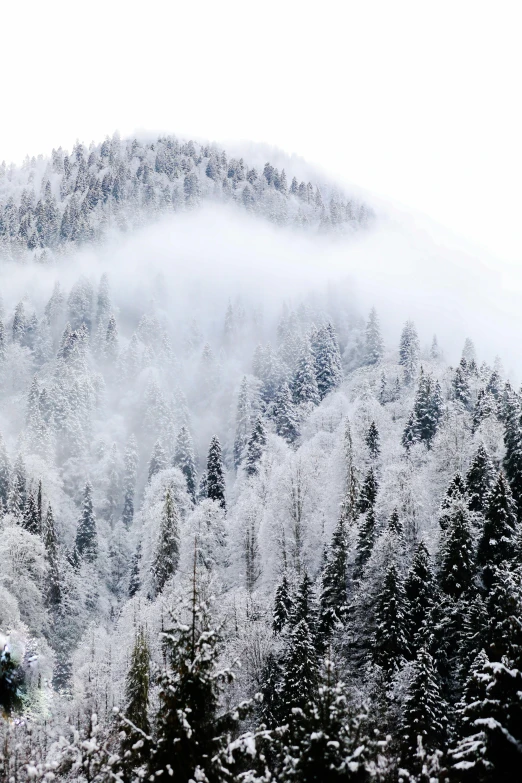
[(460, 387), (30, 519), (304, 604), (374, 346), (365, 541), (304, 385), (496, 544), (390, 644), (283, 606), (420, 590), (158, 460), (368, 492), (256, 447), (410, 436), (134, 579), (424, 713), (285, 416), (479, 480), (243, 428), (334, 593), (166, 558), (327, 358), (489, 749), (5, 476), (53, 582), (427, 409), (86, 536), (300, 670), (215, 477), (513, 455), (457, 556), (373, 441), (456, 492), (189, 729), (129, 481), (137, 685), (184, 459), (409, 350)]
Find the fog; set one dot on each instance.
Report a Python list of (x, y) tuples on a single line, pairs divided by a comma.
[(191, 264)]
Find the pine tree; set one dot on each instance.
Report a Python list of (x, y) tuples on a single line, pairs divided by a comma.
[(410, 436), (256, 447), (158, 460), (457, 556), (300, 667), (327, 357), (489, 749), (185, 460), (365, 541), (134, 578), (53, 582), (460, 387), (390, 644), (30, 518), (456, 492), (285, 416), (304, 385), (243, 428), (497, 544), (188, 726), (86, 536), (409, 350), (129, 481), (480, 479), (334, 593), (304, 604), (485, 408), (368, 492), (424, 712), (166, 557), (513, 456), (5, 475), (137, 686), (420, 591), (373, 441), (283, 606), (374, 346), (215, 477)]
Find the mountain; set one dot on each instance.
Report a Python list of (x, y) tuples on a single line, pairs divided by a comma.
[(249, 529)]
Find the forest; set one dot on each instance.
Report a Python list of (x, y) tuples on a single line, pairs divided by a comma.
[(245, 535)]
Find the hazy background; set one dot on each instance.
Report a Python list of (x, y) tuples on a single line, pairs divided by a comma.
[(417, 102)]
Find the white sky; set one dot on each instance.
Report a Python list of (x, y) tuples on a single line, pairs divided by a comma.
[(418, 102)]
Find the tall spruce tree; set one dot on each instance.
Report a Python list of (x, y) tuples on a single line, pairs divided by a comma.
[(409, 350), (86, 534), (373, 441), (374, 346), (158, 460), (424, 713), (256, 447), (166, 557), (365, 541), (286, 420), (283, 606), (215, 475), (457, 555), (327, 357), (190, 731), (243, 426), (53, 592), (496, 545), (137, 685), (333, 603), (420, 590), (185, 460), (300, 670), (390, 643), (304, 384), (368, 493), (480, 479)]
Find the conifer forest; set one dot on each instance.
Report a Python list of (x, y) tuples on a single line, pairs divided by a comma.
[(249, 533)]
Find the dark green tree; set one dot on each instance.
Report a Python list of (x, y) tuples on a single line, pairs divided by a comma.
[(256, 447), (457, 555), (390, 644), (215, 477), (166, 557), (496, 545), (185, 460), (86, 535)]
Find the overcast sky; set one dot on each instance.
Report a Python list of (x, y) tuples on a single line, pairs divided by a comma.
[(418, 102)]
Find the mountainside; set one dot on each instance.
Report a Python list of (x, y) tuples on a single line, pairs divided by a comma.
[(247, 534), (48, 205)]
